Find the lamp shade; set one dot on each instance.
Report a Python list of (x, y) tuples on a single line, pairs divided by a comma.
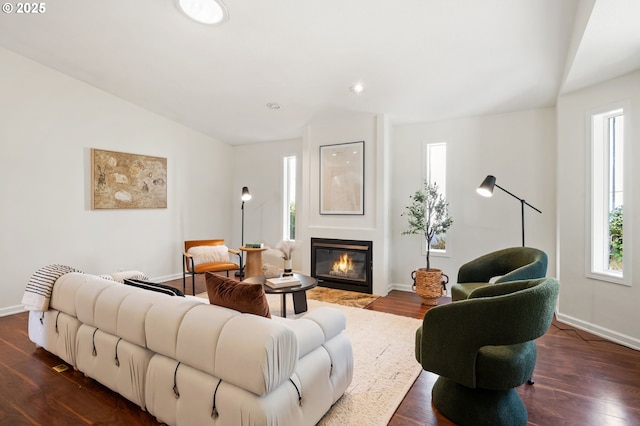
[(486, 187), (246, 196)]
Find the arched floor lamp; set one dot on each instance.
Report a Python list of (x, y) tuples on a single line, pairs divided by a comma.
[(486, 190)]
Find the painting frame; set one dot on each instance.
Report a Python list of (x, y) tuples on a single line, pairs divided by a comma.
[(121, 180), (342, 179)]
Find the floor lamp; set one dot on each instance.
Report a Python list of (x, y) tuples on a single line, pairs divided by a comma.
[(486, 190), (246, 196)]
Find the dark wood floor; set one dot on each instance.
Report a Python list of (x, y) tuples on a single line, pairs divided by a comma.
[(580, 380)]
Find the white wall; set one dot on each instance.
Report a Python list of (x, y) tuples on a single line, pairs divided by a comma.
[(49, 124), (607, 309), (518, 148), (260, 168)]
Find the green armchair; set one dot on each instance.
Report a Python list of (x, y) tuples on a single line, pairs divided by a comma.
[(510, 264), (483, 348)]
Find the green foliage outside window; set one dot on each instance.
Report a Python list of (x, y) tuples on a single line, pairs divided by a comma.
[(292, 220), (440, 243), (615, 238)]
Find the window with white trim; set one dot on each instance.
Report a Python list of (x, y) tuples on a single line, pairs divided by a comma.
[(435, 171), (609, 198), (289, 199)]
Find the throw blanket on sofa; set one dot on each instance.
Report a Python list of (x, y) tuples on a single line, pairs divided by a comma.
[(38, 292)]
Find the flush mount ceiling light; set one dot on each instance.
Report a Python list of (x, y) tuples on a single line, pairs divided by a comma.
[(210, 12), (357, 88), (273, 105)]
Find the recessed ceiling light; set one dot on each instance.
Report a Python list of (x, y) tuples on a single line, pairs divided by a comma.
[(208, 12), (357, 88), (273, 105)]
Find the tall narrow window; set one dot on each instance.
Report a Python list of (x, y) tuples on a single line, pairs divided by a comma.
[(608, 227), (436, 172), (289, 197)]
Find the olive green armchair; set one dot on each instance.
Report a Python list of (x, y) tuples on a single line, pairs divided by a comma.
[(510, 264), (483, 348)]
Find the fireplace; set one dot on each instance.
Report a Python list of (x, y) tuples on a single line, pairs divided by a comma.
[(342, 264)]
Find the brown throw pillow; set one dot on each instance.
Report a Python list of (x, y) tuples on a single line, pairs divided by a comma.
[(241, 297)]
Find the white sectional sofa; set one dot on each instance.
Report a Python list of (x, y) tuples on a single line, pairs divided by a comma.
[(190, 363)]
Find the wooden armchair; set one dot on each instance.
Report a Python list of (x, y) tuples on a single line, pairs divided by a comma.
[(202, 256)]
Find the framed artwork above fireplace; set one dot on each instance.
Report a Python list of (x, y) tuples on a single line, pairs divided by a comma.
[(342, 178)]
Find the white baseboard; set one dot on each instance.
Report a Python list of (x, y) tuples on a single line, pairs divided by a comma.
[(11, 310), (605, 333), (166, 278), (400, 287)]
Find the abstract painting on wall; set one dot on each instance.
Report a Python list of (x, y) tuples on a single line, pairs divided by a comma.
[(127, 181)]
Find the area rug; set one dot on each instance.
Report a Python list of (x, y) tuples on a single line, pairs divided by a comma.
[(384, 367), (341, 297)]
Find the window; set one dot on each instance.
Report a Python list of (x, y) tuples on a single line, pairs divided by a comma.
[(436, 172), (608, 207), (289, 198)]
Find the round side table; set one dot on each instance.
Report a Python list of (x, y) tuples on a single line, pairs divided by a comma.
[(253, 263)]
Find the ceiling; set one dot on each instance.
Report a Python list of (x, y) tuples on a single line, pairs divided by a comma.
[(420, 60)]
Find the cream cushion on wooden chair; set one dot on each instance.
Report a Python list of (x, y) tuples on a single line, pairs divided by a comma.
[(209, 254), (202, 256)]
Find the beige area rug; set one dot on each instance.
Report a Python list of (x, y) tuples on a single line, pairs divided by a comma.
[(384, 366)]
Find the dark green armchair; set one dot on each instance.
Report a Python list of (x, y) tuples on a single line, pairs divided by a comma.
[(510, 264), (483, 348)]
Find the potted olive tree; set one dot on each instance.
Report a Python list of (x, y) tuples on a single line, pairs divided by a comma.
[(428, 214)]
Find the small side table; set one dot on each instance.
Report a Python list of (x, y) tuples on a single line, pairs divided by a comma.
[(253, 263)]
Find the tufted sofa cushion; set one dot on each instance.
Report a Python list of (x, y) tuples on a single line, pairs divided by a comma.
[(248, 351)]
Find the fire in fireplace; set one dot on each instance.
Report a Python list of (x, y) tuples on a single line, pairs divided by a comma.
[(342, 264), (343, 268)]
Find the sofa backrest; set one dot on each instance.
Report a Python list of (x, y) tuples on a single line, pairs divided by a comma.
[(249, 351)]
